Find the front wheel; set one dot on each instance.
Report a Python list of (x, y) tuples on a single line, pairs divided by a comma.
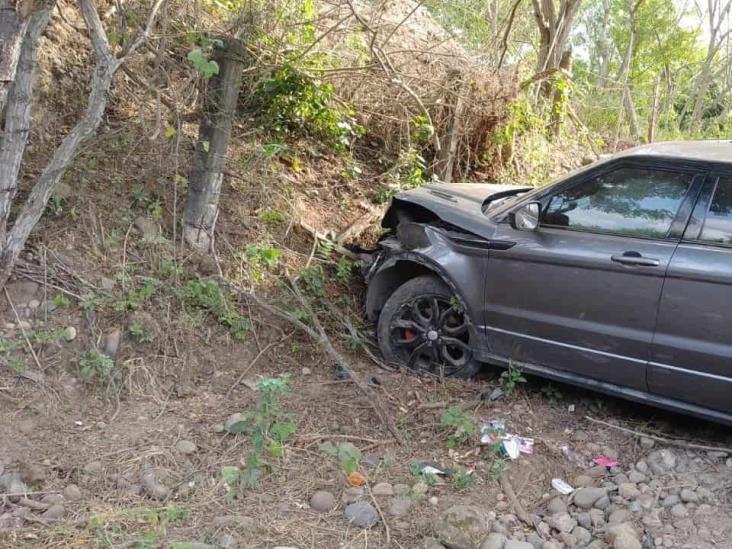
[(423, 326)]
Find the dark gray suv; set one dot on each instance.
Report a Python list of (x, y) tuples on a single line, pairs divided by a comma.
[(617, 277)]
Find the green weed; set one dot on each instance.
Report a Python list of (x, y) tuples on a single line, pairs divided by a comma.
[(95, 364), (464, 428), (347, 454), (511, 379)]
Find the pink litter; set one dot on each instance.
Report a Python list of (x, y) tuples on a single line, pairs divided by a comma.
[(606, 461)]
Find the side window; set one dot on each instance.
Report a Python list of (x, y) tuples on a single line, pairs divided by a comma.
[(632, 201), (718, 222)]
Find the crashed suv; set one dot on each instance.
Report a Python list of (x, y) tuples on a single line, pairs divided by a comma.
[(618, 277)]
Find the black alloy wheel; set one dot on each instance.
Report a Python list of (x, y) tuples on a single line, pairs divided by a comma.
[(423, 326)]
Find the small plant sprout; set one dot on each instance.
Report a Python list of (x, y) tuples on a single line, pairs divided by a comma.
[(463, 479), (269, 429), (463, 427), (95, 364), (511, 379), (347, 454)]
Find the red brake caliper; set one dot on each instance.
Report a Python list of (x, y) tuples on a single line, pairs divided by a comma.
[(408, 335)]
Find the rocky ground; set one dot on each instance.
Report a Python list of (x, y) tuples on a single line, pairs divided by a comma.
[(140, 464)]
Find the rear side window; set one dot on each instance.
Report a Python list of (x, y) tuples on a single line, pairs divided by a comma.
[(718, 223), (628, 201)]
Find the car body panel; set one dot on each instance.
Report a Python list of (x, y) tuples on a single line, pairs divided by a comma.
[(552, 302)]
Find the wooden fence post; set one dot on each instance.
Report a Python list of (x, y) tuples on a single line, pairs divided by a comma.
[(214, 133)]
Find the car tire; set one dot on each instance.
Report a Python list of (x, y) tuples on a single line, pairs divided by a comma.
[(421, 328)]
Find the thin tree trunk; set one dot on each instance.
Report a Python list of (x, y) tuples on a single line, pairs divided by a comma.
[(653, 111), (207, 174), (14, 17), (18, 116)]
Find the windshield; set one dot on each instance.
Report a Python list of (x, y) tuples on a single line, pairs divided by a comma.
[(501, 205)]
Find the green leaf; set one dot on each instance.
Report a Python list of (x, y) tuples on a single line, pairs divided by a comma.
[(230, 474)]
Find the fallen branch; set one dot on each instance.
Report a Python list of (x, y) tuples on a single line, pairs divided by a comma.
[(254, 361), (318, 236), (381, 514), (319, 335), (521, 513), (669, 441)]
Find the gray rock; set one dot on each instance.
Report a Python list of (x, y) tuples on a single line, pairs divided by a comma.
[(151, 486), (729, 462), (646, 501), (679, 511), (584, 520), (582, 535), (585, 498), (625, 529), (110, 342), (494, 541), (53, 513), (361, 514), (69, 334), (186, 447), (463, 526), (515, 544), (581, 481), (647, 443), (670, 500), (628, 490), (619, 516), (661, 461), (322, 501), (636, 477), (218, 428), (551, 545), (383, 489), (352, 494), (53, 499), (72, 492), (535, 541), (597, 516), (688, 496), (602, 503), (499, 528), (400, 506), (562, 522), (233, 422), (626, 541), (641, 466), (556, 505), (227, 541)]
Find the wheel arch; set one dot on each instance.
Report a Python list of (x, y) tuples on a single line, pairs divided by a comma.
[(394, 272)]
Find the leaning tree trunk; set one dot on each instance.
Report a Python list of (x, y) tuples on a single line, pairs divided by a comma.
[(214, 133)]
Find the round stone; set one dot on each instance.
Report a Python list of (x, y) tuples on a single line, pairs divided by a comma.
[(556, 505), (72, 492), (186, 447), (400, 506), (383, 489), (361, 514), (322, 501)]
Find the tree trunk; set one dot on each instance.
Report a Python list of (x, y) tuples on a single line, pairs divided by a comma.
[(554, 29), (13, 24), (18, 115), (214, 132), (559, 102), (653, 111), (445, 164)]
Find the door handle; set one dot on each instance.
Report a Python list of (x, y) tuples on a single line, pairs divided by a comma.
[(635, 259)]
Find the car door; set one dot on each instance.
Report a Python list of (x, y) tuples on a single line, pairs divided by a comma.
[(581, 293), (692, 349)]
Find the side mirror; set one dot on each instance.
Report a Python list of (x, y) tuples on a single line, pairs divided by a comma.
[(526, 218)]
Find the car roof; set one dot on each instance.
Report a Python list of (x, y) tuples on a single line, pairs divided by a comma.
[(705, 151)]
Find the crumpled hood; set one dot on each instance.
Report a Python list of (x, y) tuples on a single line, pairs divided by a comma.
[(459, 204)]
